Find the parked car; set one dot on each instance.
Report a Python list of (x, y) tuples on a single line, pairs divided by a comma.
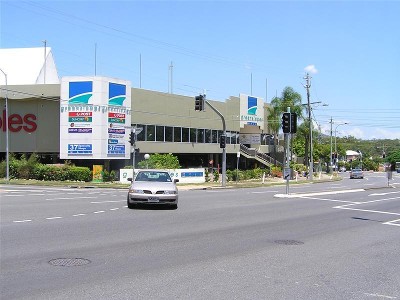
[(356, 173), (153, 187)]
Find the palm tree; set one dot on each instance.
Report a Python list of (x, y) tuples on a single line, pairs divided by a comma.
[(274, 124), (291, 99)]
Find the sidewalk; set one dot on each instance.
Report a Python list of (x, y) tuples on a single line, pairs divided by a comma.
[(269, 181)]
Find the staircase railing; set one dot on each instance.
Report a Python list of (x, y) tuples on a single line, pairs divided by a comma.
[(259, 156)]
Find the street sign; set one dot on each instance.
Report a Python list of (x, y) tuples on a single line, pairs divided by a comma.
[(137, 130), (286, 173)]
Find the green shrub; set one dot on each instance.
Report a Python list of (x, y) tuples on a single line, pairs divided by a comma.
[(80, 174), (216, 176), (207, 175), (109, 176)]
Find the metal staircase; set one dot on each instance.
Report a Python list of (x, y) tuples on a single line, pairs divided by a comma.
[(259, 156)]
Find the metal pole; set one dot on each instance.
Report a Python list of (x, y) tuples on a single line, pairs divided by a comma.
[(330, 159), (336, 156), (287, 151), (237, 166), (309, 120), (223, 149), (45, 59), (7, 131)]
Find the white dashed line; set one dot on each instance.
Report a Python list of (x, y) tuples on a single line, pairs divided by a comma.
[(114, 208), (22, 221), (99, 212), (53, 218), (78, 215), (108, 201), (380, 296)]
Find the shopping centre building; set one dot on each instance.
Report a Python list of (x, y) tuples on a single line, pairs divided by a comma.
[(88, 119)]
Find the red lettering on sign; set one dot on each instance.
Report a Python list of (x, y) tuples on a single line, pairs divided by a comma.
[(17, 122), (80, 114), (116, 115)]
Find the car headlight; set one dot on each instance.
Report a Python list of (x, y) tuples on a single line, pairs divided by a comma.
[(169, 192), (135, 191)]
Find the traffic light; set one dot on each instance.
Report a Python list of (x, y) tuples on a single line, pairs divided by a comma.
[(222, 141), (199, 103), (132, 138), (293, 123), (286, 122)]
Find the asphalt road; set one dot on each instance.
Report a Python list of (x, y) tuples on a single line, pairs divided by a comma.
[(337, 240)]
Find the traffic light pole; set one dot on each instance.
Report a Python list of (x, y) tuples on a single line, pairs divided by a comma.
[(287, 165), (223, 149)]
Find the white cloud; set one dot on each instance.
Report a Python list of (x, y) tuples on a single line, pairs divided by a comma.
[(385, 134), (311, 69)]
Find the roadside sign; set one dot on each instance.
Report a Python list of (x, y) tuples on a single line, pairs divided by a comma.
[(137, 130), (286, 173)]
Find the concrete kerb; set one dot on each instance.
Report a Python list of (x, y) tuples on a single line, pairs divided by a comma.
[(183, 187)]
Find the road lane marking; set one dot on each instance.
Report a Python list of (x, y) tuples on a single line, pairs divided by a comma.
[(392, 222), (108, 201), (66, 198), (332, 200), (114, 208), (22, 221), (78, 215), (380, 296), (99, 212), (53, 218), (318, 193), (369, 210), (383, 194)]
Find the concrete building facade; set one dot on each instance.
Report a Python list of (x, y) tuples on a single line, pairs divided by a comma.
[(163, 122)]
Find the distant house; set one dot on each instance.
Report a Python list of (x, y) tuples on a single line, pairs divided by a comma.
[(27, 66), (352, 155)]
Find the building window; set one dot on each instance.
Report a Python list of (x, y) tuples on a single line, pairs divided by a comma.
[(193, 135), (215, 136), (168, 134), (160, 133), (141, 136), (150, 133), (177, 134), (228, 137), (208, 136), (200, 135), (235, 138), (185, 135)]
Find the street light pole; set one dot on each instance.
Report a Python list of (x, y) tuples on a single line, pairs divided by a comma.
[(7, 140), (336, 164), (307, 86)]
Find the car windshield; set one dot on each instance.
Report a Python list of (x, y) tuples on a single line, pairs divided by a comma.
[(153, 176)]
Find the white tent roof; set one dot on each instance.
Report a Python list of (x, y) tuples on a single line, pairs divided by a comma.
[(28, 66), (352, 153)]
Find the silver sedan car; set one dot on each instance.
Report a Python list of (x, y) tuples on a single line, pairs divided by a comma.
[(356, 173), (153, 187)]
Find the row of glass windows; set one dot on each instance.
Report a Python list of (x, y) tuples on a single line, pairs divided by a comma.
[(156, 133)]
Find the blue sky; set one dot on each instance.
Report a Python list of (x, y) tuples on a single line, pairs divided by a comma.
[(231, 47)]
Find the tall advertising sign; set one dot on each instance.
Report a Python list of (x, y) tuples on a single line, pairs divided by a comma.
[(251, 111), (95, 118)]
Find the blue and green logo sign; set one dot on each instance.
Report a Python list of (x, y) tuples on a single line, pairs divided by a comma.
[(116, 94), (80, 92), (251, 105)]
